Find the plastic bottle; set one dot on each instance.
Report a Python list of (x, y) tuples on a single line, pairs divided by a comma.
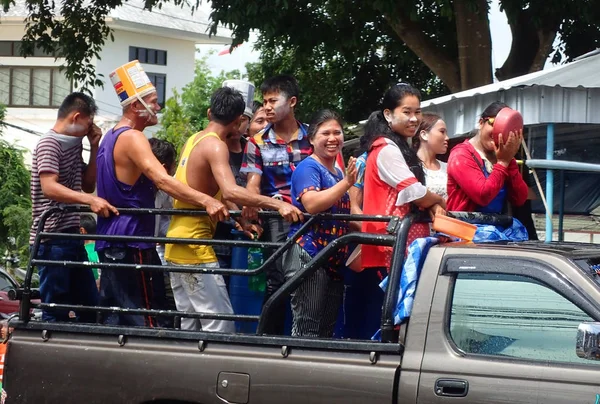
[(256, 283)]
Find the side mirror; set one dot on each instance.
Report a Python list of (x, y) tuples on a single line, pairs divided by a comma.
[(588, 341)]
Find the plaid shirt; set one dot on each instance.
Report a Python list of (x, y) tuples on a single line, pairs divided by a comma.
[(275, 160)]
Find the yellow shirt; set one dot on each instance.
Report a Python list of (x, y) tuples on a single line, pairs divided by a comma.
[(190, 226)]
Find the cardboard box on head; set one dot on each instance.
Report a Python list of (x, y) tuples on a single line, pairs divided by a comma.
[(130, 81), (247, 90)]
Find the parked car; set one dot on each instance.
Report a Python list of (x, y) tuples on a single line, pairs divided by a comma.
[(7, 306)]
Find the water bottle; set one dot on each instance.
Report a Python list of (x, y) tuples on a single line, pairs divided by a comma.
[(256, 283)]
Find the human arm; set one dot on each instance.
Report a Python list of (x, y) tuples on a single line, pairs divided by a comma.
[(139, 152), (307, 184), (55, 191), (464, 167), (217, 155), (88, 183), (252, 167)]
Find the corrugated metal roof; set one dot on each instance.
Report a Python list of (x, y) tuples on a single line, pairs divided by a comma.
[(568, 93), (169, 17)]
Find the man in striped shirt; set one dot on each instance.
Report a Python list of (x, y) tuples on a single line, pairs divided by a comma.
[(58, 176)]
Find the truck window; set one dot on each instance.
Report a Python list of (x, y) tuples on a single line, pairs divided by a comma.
[(514, 316)]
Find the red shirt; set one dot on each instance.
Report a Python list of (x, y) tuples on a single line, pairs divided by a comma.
[(468, 187), (380, 198)]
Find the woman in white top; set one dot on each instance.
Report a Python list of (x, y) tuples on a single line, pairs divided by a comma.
[(430, 141)]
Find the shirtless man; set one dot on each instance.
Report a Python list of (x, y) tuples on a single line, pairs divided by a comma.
[(204, 165), (128, 175)]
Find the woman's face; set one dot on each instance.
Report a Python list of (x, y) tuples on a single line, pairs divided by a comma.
[(328, 141), (485, 134), (406, 117), (258, 123), (437, 138)]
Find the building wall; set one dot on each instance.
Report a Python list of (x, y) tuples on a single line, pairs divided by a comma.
[(179, 71)]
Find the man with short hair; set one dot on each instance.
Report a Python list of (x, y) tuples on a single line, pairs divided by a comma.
[(59, 175), (269, 160), (128, 175), (204, 165)]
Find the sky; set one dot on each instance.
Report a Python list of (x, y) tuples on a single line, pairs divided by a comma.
[(500, 30)]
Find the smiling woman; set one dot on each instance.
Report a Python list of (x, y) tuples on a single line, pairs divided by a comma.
[(318, 186)]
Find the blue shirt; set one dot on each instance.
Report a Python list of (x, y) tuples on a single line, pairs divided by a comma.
[(310, 175)]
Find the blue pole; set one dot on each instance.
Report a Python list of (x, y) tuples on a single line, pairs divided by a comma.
[(549, 181)]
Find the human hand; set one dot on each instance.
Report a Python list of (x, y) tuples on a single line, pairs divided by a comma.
[(94, 135), (351, 172), (250, 213), (289, 212), (506, 151), (436, 210), (252, 230), (102, 208), (216, 210)]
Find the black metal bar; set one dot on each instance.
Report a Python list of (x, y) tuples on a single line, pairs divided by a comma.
[(561, 206), (161, 240), (212, 337), (314, 264), (391, 293), (148, 312), (188, 269)]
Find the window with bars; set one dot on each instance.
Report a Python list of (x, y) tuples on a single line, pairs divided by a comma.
[(33, 86), (13, 48), (148, 56), (160, 82)]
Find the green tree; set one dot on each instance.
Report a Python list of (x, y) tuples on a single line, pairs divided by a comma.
[(392, 37), (187, 114), (450, 37), (15, 203)]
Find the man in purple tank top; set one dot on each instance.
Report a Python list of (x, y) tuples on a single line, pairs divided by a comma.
[(128, 176)]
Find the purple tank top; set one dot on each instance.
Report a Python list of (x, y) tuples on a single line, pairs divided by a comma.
[(139, 195)]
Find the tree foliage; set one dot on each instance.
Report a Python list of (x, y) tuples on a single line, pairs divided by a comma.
[(392, 38), (187, 114), (365, 45), (15, 203)]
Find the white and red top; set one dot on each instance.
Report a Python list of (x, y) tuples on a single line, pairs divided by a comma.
[(389, 189)]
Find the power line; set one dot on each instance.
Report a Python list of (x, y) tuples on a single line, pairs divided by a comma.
[(22, 128)]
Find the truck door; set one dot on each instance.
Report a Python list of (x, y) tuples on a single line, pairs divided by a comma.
[(503, 330)]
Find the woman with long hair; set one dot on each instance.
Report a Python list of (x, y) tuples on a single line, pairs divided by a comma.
[(483, 176), (431, 141), (319, 187), (393, 185)]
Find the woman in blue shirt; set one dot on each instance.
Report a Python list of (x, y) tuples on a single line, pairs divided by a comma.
[(319, 187)]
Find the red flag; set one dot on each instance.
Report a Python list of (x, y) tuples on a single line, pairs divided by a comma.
[(227, 50)]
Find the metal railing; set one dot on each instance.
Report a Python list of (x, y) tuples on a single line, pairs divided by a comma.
[(397, 237)]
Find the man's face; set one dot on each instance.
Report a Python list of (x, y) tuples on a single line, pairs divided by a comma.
[(79, 124), (278, 106), (152, 101)]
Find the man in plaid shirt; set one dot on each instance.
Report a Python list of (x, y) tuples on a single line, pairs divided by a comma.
[(269, 160)]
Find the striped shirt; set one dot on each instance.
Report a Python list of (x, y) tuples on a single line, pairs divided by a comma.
[(61, 155)]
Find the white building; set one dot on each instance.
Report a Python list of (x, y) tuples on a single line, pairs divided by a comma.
[(32, 88)]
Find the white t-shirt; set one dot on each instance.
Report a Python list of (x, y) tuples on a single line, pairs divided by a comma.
[(437, 180)]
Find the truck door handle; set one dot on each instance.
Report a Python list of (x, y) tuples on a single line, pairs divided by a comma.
[(451, 387)]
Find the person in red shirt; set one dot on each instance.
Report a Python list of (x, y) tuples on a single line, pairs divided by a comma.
[(483, 177)]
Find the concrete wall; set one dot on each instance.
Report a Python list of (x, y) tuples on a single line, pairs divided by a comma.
[(179, 72)]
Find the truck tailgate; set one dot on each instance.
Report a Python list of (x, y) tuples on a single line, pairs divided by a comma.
[(144, 369)]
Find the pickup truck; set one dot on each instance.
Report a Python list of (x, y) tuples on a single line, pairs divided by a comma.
[(491, 323)]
